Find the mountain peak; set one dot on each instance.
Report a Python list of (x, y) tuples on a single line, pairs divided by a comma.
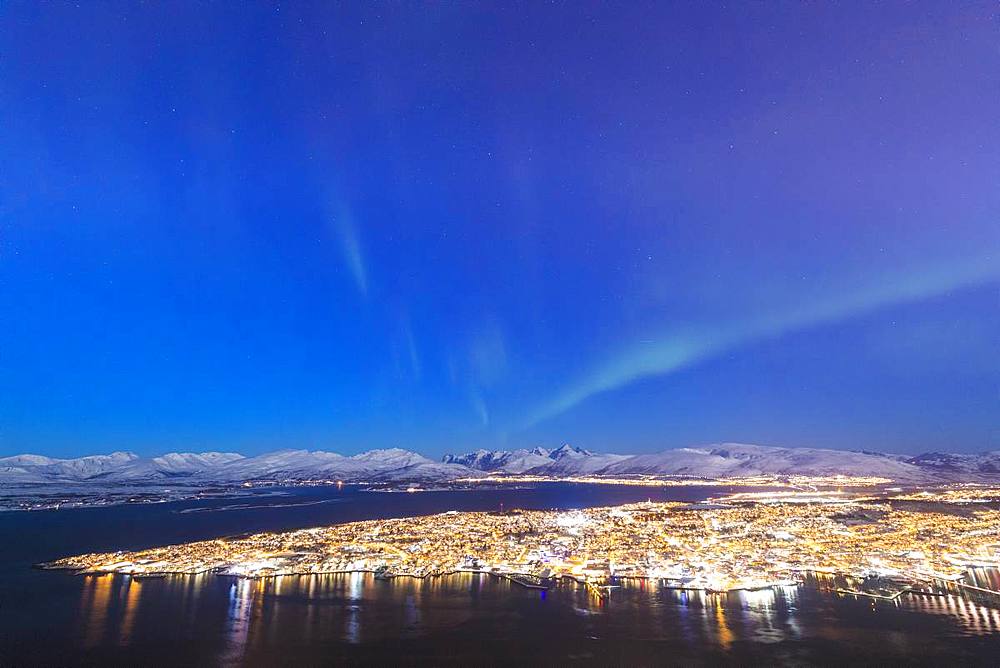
[(119, 455), (567, 450)]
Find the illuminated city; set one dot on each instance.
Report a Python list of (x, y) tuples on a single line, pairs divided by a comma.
[(731, 544)]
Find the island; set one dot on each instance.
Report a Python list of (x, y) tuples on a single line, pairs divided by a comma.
[(921, 541)]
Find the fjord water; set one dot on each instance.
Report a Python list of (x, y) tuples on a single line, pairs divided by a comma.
[(59, 619)]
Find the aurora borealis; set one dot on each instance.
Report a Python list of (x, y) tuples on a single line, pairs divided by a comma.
[(629, 227)]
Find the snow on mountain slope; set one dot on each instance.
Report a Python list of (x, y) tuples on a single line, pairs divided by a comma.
[(283, 464), (516, 461), (570, 460), (484, 460), (19, 475), (738, 459), (520, 461), (945, 462), (395, 464), (28, 460), (188, 461), (375, 465), (85, 468), (720, 460), (391, 458), (171, 465), (564, 460), (571, 451), (683, 461), (426, 472), (24, 468), (118, 466), (226, 467)]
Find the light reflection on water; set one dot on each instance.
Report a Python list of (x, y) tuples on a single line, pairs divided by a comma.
[(131, 593), (94, 604), (252, 617), (241, 595), (352, 623), (975, 619)]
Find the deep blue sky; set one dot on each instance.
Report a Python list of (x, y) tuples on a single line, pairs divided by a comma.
[(627, 226)]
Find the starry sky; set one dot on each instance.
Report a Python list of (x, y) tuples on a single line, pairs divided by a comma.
[(630, 226)]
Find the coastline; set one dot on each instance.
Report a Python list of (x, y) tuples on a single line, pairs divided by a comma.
[(598, 587)]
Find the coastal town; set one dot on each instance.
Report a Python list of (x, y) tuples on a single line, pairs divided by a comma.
[(720, 545)]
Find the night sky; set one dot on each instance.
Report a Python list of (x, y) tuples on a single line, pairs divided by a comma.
[(628, 226)]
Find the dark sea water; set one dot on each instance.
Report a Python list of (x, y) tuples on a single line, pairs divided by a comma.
[(53, 618)]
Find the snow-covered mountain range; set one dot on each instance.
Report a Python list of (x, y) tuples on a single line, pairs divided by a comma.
[(228, 467), (397, 465), (118, 466), (736, 460)]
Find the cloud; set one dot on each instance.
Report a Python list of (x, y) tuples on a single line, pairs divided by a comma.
[(679, 349)]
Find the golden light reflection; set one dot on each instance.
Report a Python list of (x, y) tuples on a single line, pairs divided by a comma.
[(724, 634), (133, 591), (95, 601)]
